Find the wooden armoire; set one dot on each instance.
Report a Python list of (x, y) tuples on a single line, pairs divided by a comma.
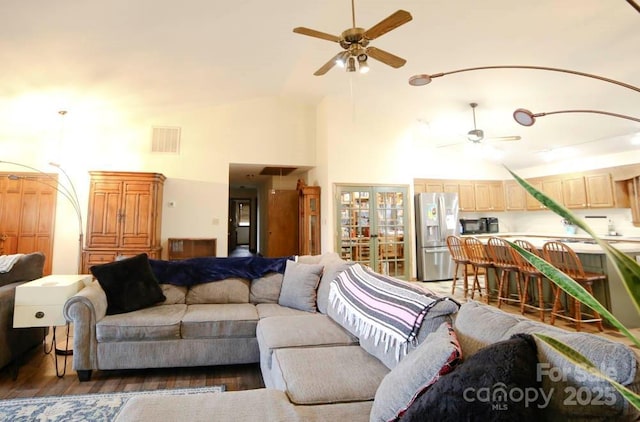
[(124, 216), (27, 214)]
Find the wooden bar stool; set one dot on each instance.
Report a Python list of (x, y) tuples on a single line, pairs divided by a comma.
[(459, 256), (504, 260), (528, 273), (481, 263), (565, 259)]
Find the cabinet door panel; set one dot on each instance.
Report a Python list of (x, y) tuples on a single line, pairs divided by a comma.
[(599, 191), (515, 196), (575, 194), (467, 196), (104, 220), (137, 208)]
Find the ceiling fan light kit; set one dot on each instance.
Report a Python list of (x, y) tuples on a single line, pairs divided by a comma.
[(355, 42)]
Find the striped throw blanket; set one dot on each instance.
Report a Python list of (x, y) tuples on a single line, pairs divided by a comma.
[(376, 305), (7, 262)]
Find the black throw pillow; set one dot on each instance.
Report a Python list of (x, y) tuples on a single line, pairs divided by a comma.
[(495, 384), (129, 284)]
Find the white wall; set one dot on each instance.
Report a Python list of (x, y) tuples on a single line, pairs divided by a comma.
[(268, 131)]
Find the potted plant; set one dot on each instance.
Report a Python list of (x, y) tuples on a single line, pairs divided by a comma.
[(628, 269)]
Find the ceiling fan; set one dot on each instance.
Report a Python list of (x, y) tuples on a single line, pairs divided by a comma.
[(355, 43), (476, 135)]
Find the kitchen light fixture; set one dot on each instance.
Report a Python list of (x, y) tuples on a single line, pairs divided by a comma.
[(527, 118), (424, 78), (521, 115), (341, 59)]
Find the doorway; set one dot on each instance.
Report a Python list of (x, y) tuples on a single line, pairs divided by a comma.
[(243, 219)]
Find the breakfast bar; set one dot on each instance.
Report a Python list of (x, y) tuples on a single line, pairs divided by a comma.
[(612, 294)]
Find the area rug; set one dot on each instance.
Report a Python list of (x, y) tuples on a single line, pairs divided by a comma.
[(85, 407)]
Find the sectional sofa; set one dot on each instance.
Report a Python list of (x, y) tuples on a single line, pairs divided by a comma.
[(327, 353), (14, 342)]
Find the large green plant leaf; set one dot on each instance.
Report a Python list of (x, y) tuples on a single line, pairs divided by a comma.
[(578, 359), (574, 289), (627, 268)]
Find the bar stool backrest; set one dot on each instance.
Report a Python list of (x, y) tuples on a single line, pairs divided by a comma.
[(564, 258), (501, 253), (525, 266), (476, 251), (456, 249)]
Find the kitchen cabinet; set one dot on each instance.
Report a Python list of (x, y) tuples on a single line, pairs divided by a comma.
[(600, 193), (550, 186), (466, 196), (124, 217), (515, 196), (489, 196), (589, 191)]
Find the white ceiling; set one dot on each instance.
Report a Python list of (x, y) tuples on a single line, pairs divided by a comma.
[(162, 55)]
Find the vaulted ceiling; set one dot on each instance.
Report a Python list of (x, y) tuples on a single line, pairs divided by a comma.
[(161, 54)]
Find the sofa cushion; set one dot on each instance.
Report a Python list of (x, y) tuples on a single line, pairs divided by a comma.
[(268, 310), (319, 375), (229, 290), (309, 330), (129, 284), (220, 321), (299, 286), (266, 289), (436, 356), (478, 325), (173, 294), (564, 379), (492, 385), (154, 323)]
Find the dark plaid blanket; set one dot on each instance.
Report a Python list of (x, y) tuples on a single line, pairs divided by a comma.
[(187, 272), (388, 309)]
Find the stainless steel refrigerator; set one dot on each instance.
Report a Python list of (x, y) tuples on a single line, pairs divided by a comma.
[(436, 218)]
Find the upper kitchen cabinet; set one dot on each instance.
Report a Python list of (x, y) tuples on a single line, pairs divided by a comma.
[(515, 199), (550, 186), (466, 196), (588, 191), (489, 196)]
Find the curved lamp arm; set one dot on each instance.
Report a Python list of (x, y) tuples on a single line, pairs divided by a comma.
[(424, 79), (527, 118)]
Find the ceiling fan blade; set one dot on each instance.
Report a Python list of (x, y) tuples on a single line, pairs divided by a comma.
[(505, 138), (328, 65), (316, 34), (385, 57), (391, 22)]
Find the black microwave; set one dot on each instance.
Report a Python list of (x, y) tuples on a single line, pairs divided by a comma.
[(473, 225)]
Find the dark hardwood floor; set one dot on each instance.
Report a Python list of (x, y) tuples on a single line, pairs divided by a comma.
[(37, 377)]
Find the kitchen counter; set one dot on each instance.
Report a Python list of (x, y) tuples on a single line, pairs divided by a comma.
[(580, 244)]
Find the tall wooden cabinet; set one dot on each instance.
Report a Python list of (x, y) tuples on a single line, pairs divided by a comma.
[(124, 217), (27, 214), (308, 219)]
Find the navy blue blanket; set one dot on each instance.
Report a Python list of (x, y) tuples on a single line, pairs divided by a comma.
[(187, 272)]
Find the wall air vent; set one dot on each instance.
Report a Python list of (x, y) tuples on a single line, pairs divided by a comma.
[(165, 139)]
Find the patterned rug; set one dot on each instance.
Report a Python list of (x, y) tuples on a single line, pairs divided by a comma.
[(85, 407)]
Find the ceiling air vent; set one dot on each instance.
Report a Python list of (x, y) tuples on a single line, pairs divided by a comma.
[(165, 139)]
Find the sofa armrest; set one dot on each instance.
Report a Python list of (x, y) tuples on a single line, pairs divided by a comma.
[(84, 310)]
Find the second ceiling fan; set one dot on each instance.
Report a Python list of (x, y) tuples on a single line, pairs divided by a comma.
[(355, 43), (476, 135)]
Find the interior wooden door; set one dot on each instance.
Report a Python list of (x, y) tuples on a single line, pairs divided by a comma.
[(282, 223)]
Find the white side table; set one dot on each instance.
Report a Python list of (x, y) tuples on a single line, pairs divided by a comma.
[(39, 303)]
